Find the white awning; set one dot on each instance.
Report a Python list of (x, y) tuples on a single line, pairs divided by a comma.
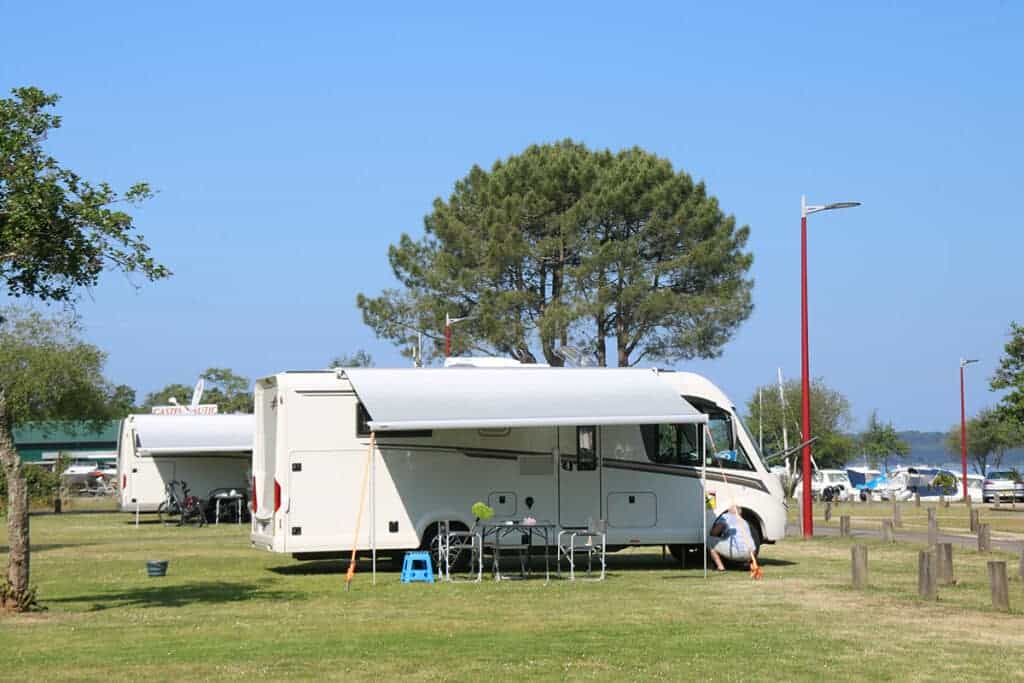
[(477, 398), (193, 434)]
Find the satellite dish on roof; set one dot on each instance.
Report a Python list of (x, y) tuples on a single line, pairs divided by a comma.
[(197, 394)]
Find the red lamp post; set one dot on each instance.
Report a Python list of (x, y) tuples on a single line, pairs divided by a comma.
[(805, 365), (448, 322), (963, 423)]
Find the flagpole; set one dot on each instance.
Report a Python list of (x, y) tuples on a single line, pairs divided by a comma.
[(373, 515)]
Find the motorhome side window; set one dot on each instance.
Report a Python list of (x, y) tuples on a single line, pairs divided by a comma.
[(363, 427), (670, 444), (362, 420), (725, 450), (586, 448)]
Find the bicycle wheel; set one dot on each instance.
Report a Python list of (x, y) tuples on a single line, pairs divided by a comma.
[(169, 515), (194, 516)]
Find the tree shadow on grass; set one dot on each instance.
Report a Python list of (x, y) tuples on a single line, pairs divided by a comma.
[(43, 547), (179, 595)]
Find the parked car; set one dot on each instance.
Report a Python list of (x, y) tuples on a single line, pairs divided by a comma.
[(1004, 484)]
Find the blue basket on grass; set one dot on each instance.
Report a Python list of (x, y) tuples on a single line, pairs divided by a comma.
[(156, 567)]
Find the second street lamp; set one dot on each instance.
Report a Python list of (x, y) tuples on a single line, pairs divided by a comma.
[(805, 369), (963, 424)]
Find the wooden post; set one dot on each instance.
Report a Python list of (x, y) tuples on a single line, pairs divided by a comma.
[(897, 513), (974, 520), (984, 538), (1020, 568), (859, 563), (933, 532), (995, 501), (944, 564), (1000, 589), (844, 525), (887, 534), (917, 499), (926, 575), (931, 515)]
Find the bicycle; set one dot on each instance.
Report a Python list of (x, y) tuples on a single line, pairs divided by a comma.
[(181, 508)]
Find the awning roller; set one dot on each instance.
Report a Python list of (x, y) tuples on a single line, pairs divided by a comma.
[(479, 398)]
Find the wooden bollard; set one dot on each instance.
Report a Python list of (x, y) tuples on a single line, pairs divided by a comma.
[(844, 525), (931, 515), (933, 532), (998, 583), (897, 513), (984, 538), (926, 574), (917, 499), (995, 501), (859, 564), (828, 510), (944, 564), (887, 533), (975, 517), (1020, 568)]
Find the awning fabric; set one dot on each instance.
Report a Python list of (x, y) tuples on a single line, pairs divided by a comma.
[(477, 398), (193, 434)]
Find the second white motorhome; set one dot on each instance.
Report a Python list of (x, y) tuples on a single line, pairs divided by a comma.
[(208, 452), (555, 444)]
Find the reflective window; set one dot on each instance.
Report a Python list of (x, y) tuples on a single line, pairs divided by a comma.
[(586, 448), (670, 444)]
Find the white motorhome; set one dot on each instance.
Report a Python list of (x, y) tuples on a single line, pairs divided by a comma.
[(565, 445), (206, 451)]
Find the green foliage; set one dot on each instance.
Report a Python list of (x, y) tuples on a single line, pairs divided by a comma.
[(989, 435), (945, 480), (481, 510), (359, 359), (880, 441), (563, 245), (48, 373), (58, 232), (43, 485), (229, 391), (1010, 376), (831, 419)]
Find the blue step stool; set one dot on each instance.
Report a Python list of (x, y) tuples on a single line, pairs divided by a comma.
[(417, 567)]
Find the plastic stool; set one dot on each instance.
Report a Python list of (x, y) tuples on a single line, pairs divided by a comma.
[(417, 567)]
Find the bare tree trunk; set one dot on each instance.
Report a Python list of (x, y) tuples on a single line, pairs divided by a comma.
[(17, 591)]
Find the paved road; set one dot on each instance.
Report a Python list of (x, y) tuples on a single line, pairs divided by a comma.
[(970, 542)]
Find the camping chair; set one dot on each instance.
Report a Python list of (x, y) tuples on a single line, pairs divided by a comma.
[(455, 546), (591, 540)]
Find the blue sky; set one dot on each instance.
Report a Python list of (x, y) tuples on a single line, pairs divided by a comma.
[(290, 144)]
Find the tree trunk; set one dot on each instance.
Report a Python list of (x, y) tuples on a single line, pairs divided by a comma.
[(16, 591)]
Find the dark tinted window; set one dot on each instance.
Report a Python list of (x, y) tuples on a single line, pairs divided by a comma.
[(670, 444)]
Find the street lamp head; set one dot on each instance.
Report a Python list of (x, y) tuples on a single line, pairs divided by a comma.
[(964, 362), (808, 209)]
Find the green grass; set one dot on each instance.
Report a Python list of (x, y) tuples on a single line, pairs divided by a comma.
[(228, 611)]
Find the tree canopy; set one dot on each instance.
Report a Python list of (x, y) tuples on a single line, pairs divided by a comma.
[(879, 442), (1010, 375), (564, 246), (360, 358), (831, 420), (49, 373), (989, 435), (58, 232), (230, 392)]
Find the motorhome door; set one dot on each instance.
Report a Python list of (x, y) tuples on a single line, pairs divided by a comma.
[(579, 477)]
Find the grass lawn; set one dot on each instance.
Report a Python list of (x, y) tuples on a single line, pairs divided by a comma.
[(227, 611), (1007, 521)]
